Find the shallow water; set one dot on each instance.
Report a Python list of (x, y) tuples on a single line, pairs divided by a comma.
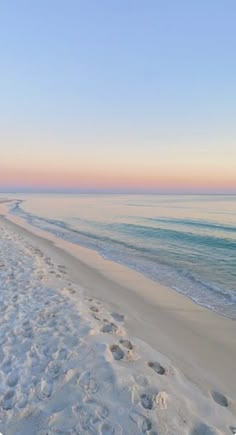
[(187, 242)]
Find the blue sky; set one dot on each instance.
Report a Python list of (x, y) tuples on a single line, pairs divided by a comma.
[(122, 78)]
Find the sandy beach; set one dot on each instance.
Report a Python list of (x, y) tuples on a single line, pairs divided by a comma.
[(90, 347)]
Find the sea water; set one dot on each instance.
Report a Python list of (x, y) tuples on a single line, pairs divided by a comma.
[(186, 242)]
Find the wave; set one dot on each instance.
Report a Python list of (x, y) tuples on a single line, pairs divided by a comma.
[(143, 231), (196, 239), (148, 260), (194, 223), (61, 224), (138, 231)]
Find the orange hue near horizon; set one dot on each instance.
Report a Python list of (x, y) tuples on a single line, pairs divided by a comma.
[(126, 166), (120, 178)]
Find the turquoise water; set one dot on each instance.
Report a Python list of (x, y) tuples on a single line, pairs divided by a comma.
[(187, 242)]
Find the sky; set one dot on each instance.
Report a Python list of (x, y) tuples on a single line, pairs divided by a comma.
[(123, 96)]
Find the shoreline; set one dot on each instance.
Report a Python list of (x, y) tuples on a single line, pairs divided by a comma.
[(200, 342), (84, 350), (227, 311), (47, 233)]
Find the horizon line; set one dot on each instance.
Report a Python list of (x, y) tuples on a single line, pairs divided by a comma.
[(100, 192)]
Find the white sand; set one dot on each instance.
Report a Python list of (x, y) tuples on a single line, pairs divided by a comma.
[(70, 364)]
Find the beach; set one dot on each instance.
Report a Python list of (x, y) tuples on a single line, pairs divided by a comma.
[(118, 218), (90, 346)]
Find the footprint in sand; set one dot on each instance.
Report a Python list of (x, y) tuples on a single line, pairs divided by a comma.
[(110, 328), (8, 400), (101, 411), (49, 262), (62, 269), (107, 428), (130, 353), (147, 400), (27, 330), (44, 389), (62, 354), (203, 429), (157, 367), (94, 309), (143, 423), (117, 352), (12, 379), (54, 369), (219, 398), (22, 401), (118, 317), (88, 383), (127, 344), (50, 349), (62, 422), (6, 367)]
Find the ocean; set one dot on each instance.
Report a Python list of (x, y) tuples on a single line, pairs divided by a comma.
[(187, 242)]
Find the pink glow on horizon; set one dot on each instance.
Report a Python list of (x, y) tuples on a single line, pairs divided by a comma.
[(125, 180)]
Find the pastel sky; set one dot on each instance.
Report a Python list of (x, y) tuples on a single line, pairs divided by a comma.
[(128, 95)]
